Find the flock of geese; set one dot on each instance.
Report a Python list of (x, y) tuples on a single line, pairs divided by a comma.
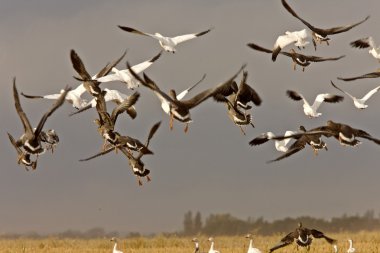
[(236, 98), (302, 236)]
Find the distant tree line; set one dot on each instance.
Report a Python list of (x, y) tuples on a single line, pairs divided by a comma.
[(226, 224)]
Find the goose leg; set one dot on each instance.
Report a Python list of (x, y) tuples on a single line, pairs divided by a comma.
[(139, 181), (171, 121), (242, 130), (294, 65), (186, 128), (148, 179)]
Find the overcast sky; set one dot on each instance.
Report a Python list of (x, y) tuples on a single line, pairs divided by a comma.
[(211, 168)]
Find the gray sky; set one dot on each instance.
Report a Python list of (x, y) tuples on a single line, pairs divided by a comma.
[(211, 168)]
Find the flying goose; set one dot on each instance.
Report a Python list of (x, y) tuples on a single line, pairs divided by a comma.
[(125, 76), (238, 102), (115, 250), (22, 157), (351, 249), (167, 43), (318, 34), (211, 250), (106, 122), (50, 137), (30, 140), (359, 102), (111, 95), (311, 110), (74, 96), (251, 249), (137, 166), (296, 37), (302, 139), (365, 43), (297, 58), (303, 237), (281, 145), (180, 109), (375, 74)]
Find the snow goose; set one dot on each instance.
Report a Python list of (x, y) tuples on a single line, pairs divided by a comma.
[(296, 37), (167, 43), (351, 249), (30, 140), (125, 75), (303, 138), (113, 96), (318, 34), (211, 250), (303, 237), (359, 102), (22, 157), (281, 145), (365, 43), (251, 249), (297, 58), (115, 250), (311, 110), (180, 109), (74, 96)]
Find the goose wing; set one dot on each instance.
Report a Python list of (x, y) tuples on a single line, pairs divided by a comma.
[(14, 143), (326, 97), (55, 106), (363, 134), (186, 37), (288, 239), (294, 148), (221, 88), (181, 95), (24, 119), (152, 131), (369, 75), (318, 234), (246, 93), (345, 92), (108, 149), (320, 59), (125, 105), (135, 31), (107, 69), (370, 93), (363, 43), (50, 96)]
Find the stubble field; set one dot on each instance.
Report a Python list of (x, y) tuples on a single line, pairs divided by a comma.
[(364, 242)]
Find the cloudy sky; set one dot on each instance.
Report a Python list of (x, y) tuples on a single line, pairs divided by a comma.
[(211, 168)]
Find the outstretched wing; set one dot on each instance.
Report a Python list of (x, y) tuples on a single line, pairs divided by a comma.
[(369, 75), (24, 119), (106, 151), (318, 234), (181, 95), (320, 59), (135, 31), (125, 105), (288, 239), (186, 37), (55, 106)]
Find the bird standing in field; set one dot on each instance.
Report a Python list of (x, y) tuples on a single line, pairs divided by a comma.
[(303, 237), (351, 249), (212, 250), (167, 43), (311, 110), (318, 34), (251, 249), (115, 250)]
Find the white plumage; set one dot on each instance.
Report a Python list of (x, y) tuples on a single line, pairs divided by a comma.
[(351, 249), (251, 249), (359, 102), (299, 38), (115, 250), (211, 250)]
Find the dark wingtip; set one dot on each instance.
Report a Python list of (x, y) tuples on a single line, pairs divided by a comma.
[(275, 53), (156, 57)]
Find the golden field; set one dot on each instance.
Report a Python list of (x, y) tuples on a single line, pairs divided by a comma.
[(364, 242)]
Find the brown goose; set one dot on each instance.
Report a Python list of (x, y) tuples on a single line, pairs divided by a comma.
[(375, 74), (137, 166), (302, 139), (180, 109), (318, 34), (30, 140), (106, 122), (22, 157), (303, 237), (297, 58), (238, 102), (51, 138)]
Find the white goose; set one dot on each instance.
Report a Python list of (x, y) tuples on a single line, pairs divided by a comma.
[(351, 249), (296, 37), (115, 250), (211, 250), (111, 95), (359, 102), (281, 145), (365, 43), (125, 75), (311, 110), (251, 249), (335, 248), (167, 43)]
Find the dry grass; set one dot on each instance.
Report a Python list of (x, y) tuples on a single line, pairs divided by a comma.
[(364, 242)]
